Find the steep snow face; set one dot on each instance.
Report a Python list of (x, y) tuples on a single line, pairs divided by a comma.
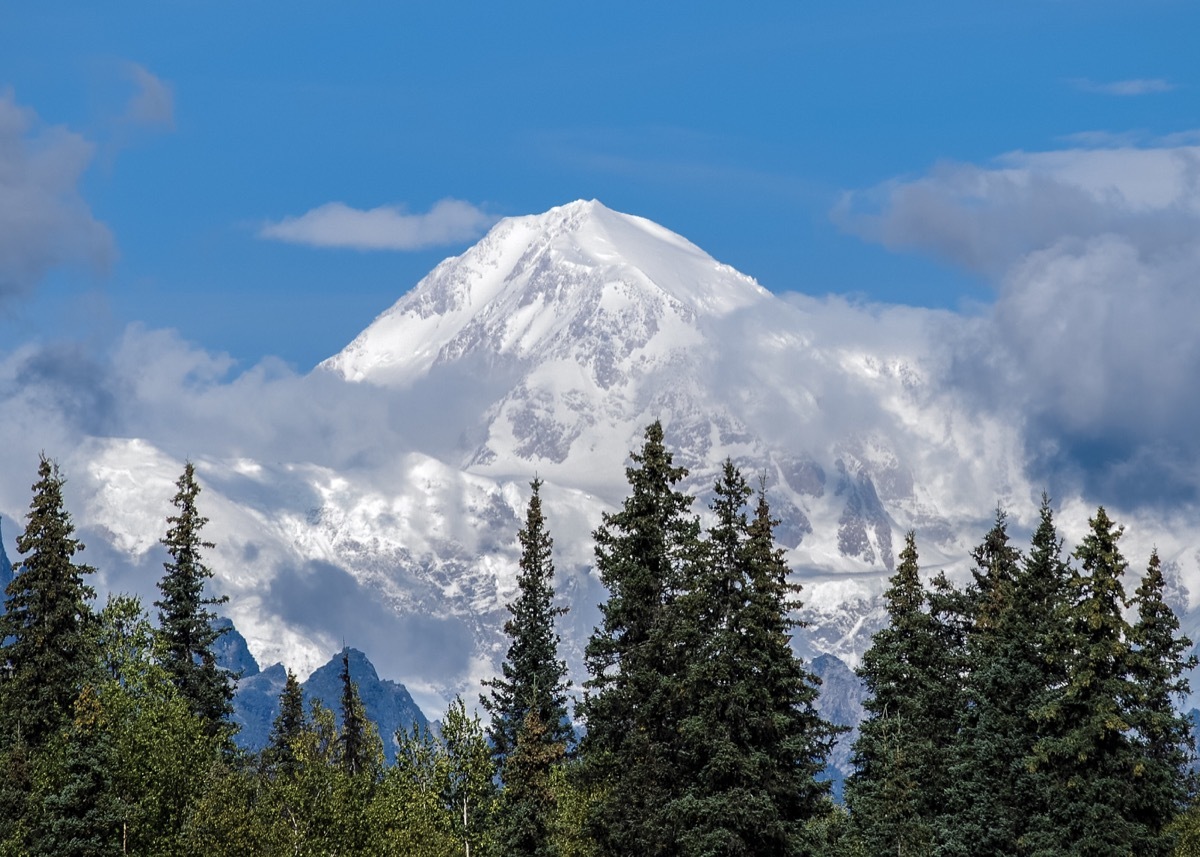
[(580, 282)]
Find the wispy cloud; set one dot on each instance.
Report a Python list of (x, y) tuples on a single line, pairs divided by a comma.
[(387, 227), (1105, 139), (153, 101), (1135, 86), (44, 221)]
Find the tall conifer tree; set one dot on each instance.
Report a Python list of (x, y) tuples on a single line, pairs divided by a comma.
[(644, 553), (526, 819), (794, 740), (532, 674), (47, 631), (752, 740), (897, 791), (1161, 660), (1088, 754), (353, 754), (81, 816), (528, 700), (279, 756), (991, 787), (186, 629)]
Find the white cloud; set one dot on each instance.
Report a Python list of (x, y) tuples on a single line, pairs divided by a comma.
[(1095, 255), (988, 218), (387, 227), (153, 102), (1124, 88), (44, 221)]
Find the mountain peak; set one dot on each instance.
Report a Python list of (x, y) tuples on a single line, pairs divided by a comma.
[(539, 285)]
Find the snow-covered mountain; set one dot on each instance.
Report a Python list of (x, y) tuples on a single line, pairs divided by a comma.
[(545, 350)]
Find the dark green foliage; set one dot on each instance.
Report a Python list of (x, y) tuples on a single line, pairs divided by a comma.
[(528, 807), (352, 743), (785, 733), (751, 741), (279, 757), (998, 801), (529, 728), (902, 755), (533, 676), (644, 554), (80, 815), (16, 785), (47, 629), (991, 788), (1042, 602), (1161, 660), (186, 625), (1022, 716), (1089, 752)]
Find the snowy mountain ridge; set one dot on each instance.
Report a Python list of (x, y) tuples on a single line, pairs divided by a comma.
[(579, 281)]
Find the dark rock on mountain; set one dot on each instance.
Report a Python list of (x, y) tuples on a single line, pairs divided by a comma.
[(841, 703), (388, 704)]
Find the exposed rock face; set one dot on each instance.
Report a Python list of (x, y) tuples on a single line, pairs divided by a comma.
[(841, 703)]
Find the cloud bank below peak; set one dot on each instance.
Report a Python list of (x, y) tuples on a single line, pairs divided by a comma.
[(1090, 343), (386, 227)]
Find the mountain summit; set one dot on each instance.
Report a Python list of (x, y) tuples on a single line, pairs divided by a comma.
[(579, 281), (572, 329)]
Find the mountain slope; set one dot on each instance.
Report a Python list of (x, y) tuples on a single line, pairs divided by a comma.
[(545, 350)]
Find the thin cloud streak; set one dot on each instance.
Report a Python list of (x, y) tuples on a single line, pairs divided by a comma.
[(1124, 88), (153, 102), (387, 227)]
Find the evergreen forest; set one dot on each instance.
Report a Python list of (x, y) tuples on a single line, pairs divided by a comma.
[(1033, 710)]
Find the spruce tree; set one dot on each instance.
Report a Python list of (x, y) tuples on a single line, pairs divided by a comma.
[(1088, 753), (793, 740), (532, 675), (279, 756), (752, 742), (80, 815), (186, 630), (897, 791), (47, 631), (353, 755), (989, 752), (1161, 661), (644, 553), (528, 701)]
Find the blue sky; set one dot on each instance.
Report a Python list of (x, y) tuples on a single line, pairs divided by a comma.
[(179, 130)]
